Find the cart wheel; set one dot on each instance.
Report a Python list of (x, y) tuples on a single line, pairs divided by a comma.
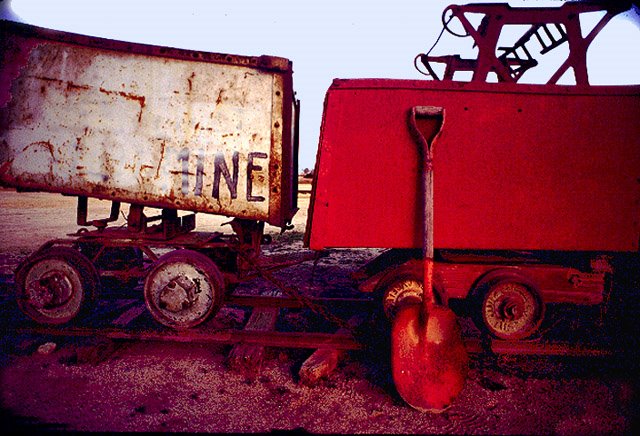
[(402, 291), (402, 285), (511, 309), (183, 289), (52, 285)]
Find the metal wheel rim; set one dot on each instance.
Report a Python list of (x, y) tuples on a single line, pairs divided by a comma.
[(179, 274), (50, 273), (511, 311), (400, 292)]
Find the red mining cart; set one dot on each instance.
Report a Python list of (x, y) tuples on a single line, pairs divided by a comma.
[(534, 189)]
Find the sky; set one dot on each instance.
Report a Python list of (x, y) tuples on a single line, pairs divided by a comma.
[(325, 39)]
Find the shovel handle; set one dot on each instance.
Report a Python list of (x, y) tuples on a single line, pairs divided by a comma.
[(435, 118), (428, 297)]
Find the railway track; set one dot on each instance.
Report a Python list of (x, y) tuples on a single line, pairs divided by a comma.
[(128, 319)]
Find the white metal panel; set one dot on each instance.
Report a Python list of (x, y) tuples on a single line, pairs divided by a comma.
[(160, 131)]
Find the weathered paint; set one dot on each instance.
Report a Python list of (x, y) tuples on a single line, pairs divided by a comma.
[(521, 167), (147, 125)]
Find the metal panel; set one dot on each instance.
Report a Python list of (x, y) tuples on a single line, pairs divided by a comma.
[(167, 132), (516, 167)]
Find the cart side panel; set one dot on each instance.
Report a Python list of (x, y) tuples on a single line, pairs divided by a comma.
[(135, 125), (515, 167)]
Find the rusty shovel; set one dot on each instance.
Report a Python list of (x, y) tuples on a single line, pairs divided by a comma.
[(428, 359)]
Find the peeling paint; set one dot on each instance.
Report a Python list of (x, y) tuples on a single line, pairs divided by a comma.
[(87, 120)]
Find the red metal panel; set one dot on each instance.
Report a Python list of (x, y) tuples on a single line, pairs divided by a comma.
[(515, 167)]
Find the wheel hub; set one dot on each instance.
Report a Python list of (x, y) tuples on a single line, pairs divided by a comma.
[(51, 284), (51, 290), (509, 310), (183, 289), (178, 294)]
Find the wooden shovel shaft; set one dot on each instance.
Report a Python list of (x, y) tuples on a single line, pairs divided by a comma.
[(428, 294), (428, 208)]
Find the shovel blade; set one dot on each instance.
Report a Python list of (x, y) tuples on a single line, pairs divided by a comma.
[(428, 359)]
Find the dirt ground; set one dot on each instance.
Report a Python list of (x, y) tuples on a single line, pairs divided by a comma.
[(93, 385)]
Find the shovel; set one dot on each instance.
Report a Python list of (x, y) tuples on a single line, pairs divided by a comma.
[(429, 362)]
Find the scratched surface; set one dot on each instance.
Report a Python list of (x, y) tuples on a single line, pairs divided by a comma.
[(146, 129)]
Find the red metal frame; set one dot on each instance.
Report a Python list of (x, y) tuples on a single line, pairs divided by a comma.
[(551, 27)]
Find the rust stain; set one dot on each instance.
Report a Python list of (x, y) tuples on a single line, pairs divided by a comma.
[(45, 144), (219, 99), (162, 148), (107, 166), (140, 99), (27, 118), (68, 84), (190, 81), (5, 168), (74, 86)]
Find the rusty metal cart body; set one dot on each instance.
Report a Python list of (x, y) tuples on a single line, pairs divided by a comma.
[(154, 127)]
